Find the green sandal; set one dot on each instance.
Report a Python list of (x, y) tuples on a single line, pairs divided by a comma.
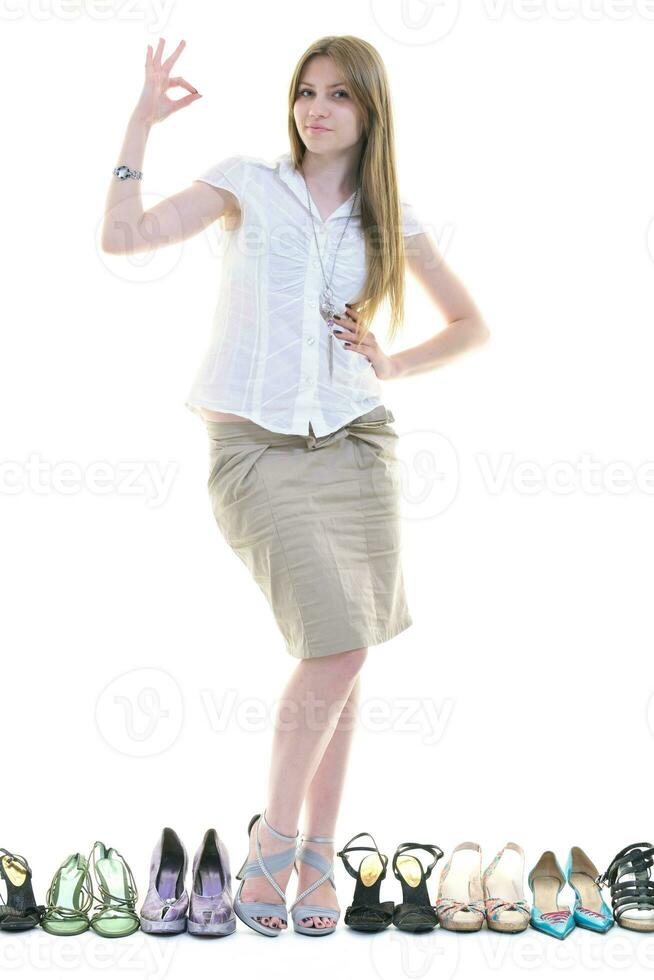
[(69, 898), (116, 915)]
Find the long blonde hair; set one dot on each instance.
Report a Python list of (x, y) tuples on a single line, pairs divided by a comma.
[(381, 219)]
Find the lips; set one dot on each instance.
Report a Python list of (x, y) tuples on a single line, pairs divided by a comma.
[(323, 129)]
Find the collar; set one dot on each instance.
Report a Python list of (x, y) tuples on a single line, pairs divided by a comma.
[(293, 179)]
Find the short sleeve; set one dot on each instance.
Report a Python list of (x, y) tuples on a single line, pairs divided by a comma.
[(411, 223), (228, 173)]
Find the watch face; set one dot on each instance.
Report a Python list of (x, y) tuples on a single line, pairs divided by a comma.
[(121, 172)]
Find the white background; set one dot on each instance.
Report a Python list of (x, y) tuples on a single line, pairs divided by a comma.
[(525, 141)]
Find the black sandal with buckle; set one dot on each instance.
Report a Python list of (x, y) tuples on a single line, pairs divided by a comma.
[(415, 913), (367, 913), (20, 910), (628, 877)]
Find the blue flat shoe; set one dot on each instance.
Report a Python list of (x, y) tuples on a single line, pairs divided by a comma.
[(590, 911), (546, 881)]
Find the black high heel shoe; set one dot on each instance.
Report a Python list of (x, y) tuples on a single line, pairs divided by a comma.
[(20, 911), (415, 913), (367, 913)]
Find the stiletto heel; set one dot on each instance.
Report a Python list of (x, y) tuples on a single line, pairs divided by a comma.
[(20, 911), (546, 881), (590, 911), (298, 912), (211, 910), (415, 913), (367, 913), (246, 911), (164, 911)]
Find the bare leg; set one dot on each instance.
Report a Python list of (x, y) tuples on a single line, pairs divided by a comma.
[(308, 713), (322, 804)]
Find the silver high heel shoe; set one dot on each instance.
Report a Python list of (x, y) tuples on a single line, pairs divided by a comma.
[(246, 911), (298, 912)]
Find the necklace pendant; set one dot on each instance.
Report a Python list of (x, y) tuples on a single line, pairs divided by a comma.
[(327, 308)]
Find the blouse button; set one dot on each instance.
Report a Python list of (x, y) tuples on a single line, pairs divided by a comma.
[(310, 340)]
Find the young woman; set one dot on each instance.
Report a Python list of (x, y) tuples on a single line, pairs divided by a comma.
[(303, 477)]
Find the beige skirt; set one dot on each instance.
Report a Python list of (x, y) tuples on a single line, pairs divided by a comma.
[(316, 521)]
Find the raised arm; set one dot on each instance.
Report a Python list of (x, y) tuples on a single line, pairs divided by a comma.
[(127, 228)]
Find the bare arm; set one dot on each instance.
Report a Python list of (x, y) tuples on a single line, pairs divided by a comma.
[(465, 325), (127, 228)]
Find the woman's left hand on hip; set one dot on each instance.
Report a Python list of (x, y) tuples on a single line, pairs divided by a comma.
[(368, 348)]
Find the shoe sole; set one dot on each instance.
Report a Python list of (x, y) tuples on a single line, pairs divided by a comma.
[(162, 927), (258, 926), (212, 929), (313, 931)]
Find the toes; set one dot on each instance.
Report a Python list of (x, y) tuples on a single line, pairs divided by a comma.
[(271, 921), (318, 922)]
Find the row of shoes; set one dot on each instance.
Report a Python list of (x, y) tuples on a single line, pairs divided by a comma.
[(168, 907), (71, 895), (466, 898)]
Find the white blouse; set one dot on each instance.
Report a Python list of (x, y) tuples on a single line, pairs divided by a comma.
[(268, 355)]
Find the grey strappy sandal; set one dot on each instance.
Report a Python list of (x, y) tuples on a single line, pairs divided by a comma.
[(298, 911), (246, 911)]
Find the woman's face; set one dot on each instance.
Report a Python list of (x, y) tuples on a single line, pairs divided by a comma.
[(324, 100)]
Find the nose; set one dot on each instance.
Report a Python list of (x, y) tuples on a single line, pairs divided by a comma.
[(316, 111)]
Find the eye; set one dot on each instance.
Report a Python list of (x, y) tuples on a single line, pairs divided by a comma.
[(340, 91)]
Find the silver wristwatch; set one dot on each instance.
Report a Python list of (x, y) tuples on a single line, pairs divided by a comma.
[(124, 172)]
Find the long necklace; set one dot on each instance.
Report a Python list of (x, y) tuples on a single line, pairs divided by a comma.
[(326, 305)]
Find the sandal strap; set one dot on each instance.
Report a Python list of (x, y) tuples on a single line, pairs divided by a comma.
[(122, 904), (450, 905), (361, 847), (630, 860), (411, 909), (630, 893), (317, 861), (277, 861), (86, 893), (276, 833), (433, 849), (505, 905), (17, 859), (383, 912)]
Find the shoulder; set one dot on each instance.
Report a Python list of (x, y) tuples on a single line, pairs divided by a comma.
[(412, 223), (238, 168)]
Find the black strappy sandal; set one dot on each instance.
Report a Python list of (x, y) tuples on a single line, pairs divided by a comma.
[(415, 913), (628, 877), (20, 911), (367, 913)]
